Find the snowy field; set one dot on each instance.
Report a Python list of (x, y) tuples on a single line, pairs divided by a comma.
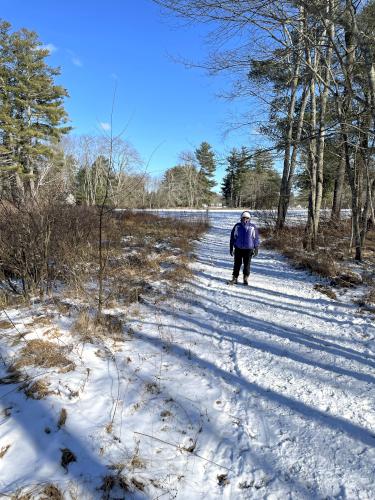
[(227, 216), (265, 392)]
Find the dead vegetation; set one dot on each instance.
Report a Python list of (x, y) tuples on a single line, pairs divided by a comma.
[(120, 485), (51, 492), (43, 243), (326, 290), (334, 257), (4, 449), (145, 243), (37, 390), (62, 418), (44, 354), (90, 327), (5, 325), (40, 492), (43, 247), (67, 457)]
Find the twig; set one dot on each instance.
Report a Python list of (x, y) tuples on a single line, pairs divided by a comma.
[(183, 449)]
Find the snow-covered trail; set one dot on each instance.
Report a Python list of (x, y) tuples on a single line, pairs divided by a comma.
[(283, 377)]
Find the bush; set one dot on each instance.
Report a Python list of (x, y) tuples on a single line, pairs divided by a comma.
[(43, 244), (40, 244)]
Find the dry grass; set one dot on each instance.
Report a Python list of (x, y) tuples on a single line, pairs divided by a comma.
[(333, 250), (8, 299), (110, 482), (326, 290), (84, 327), (14, 377), (333, 259), (149, 242), (51, 492), (41, 321), (5, 325), (44, 354), (37, 390), (90, 328), (4, 449), (135, 247), (40, 492), (152, 388), (20, 495), (136, 462), (289, 242), (62, 418), (121, 483)]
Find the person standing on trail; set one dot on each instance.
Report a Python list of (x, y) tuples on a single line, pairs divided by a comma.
[(244, 244)]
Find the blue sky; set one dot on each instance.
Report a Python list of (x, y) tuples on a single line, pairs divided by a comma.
[(128, 44)]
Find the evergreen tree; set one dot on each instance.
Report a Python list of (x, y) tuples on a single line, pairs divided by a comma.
[(261, 161), (31, 109), (227, 187), (251, 180), (206, 160), (261, 184), (233, 183)]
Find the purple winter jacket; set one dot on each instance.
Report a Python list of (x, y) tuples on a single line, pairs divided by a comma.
[(244, 236)]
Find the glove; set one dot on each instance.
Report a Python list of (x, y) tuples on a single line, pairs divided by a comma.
[(255, 253), (231, 252)]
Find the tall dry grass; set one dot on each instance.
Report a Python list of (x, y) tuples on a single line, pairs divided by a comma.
[(43, 246), (333, 255)]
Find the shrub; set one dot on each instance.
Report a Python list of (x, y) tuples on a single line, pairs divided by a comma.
[(39, 244)]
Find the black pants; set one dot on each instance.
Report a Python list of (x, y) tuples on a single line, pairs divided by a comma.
[(242, 255)]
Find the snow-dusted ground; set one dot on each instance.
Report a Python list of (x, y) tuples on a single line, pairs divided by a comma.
[(222, 392)]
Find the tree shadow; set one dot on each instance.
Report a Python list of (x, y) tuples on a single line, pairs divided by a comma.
[(332, 422), (39, 428), (306, 338)]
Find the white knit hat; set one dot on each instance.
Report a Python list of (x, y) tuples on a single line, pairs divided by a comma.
[(245, 214)]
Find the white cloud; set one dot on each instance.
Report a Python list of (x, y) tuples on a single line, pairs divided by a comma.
[(77, 62), (74, 58), (105, 126), (50, 47)]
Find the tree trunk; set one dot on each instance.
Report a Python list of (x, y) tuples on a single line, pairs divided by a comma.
[(287, 180), (288, 167), (338, 190), (17, 189), (309, 242), (317, 145), (345, 114)]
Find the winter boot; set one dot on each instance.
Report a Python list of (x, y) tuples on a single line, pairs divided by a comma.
[(233, 281), (245, 280)]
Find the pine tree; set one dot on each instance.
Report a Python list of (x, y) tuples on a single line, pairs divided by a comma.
[(261, 161), (206, 160), (227, 187), (31, 109), (234, 180)]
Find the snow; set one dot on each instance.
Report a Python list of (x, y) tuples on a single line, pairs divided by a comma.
[(221, 392)]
